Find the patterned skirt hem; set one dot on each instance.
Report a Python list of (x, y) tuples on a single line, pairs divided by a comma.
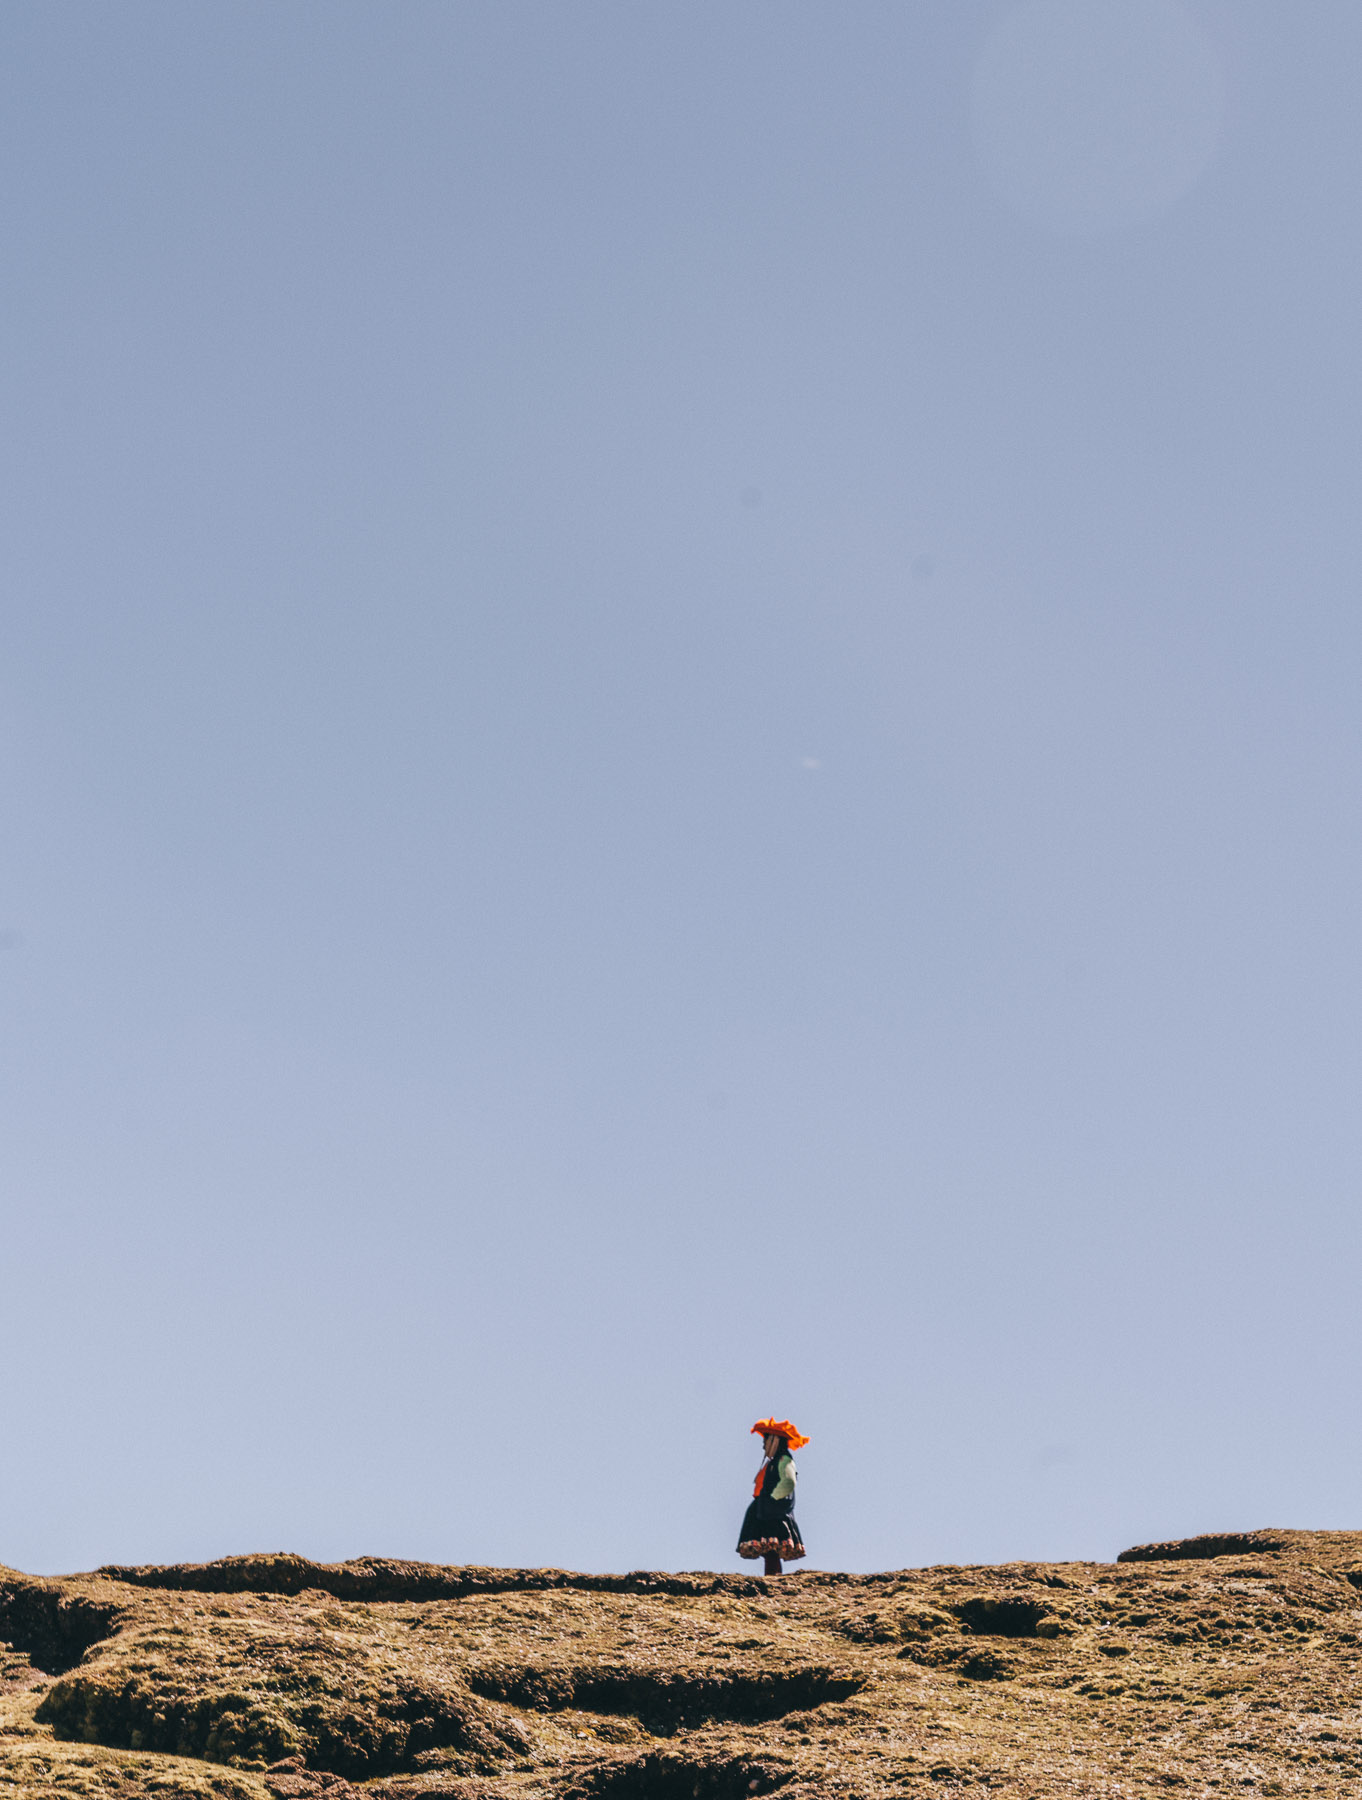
[(784, 1548)]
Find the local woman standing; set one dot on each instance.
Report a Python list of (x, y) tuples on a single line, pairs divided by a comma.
[(768, 1528)]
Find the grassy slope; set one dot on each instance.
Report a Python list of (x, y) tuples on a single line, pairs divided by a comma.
[(1223, 1673)]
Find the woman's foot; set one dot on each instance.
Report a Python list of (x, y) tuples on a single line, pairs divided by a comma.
[(772, 1565)]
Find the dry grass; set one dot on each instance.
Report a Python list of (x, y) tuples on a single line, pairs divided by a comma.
[(1228, 1673)]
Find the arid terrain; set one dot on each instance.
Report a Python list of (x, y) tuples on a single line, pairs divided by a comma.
[(1215, 1664)]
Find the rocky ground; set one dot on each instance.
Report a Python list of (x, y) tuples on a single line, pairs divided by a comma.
[(1224, 1665)]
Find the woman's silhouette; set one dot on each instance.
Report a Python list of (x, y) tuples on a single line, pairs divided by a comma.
[(768, 1528)]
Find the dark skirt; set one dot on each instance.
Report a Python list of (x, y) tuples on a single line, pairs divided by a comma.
[(769, 1529)]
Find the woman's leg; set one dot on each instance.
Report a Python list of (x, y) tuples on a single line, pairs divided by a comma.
[(772, 1565)]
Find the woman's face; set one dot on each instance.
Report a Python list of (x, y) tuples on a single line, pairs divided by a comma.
[(771, 1443)]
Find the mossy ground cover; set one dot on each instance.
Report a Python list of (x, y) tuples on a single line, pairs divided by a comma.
[(274, 1679)]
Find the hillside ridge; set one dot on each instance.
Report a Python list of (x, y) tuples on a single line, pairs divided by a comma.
[(1228, 1661)]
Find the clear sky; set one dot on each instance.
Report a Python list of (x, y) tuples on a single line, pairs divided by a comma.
[(681, 703)]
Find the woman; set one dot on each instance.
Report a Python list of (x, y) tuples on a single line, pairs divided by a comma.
[(768, 1528)]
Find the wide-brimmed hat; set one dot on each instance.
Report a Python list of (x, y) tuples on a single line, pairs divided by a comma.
[(781, 1428)]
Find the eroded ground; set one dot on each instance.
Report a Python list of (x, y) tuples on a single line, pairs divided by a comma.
[(1228, 1665)]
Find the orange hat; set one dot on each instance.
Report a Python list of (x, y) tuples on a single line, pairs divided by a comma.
[(782, 1428)]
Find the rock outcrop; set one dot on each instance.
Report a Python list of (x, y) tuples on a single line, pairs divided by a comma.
[(1213, 1664)]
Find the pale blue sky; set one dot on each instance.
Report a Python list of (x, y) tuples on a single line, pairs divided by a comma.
[(681, 736)]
